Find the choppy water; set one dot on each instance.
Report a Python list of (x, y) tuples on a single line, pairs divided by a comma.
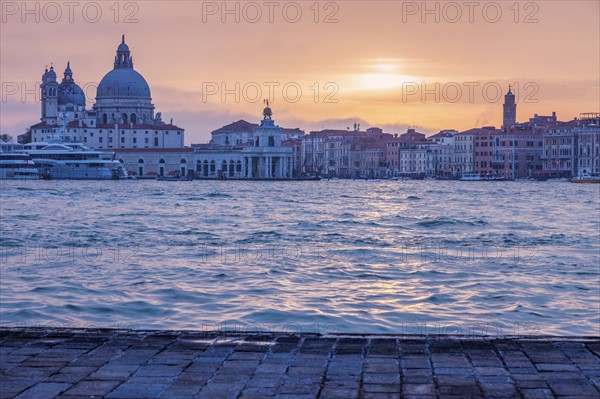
[(348, 256)]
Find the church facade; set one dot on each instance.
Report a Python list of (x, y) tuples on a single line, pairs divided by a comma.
[(122, 116)]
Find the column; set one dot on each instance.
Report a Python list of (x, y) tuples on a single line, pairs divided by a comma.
[(267, 164)]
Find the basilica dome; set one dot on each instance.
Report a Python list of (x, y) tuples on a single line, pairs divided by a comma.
[(123, 83)]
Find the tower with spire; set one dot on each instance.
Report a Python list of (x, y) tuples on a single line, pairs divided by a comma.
[(509, 118), (49, 96)]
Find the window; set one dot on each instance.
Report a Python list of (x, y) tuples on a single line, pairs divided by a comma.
[(100, 139), (134, 140), (122, 140), (146, 141), (156, 141)]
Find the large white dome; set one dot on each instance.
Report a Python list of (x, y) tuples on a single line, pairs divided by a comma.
[(123, 83)]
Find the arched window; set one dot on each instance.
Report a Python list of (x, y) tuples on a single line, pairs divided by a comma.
[(238, 167), (105, 119), (198, 166), (141, 160), (140, 167), (212, 167), (124, 118), (224, 166), (271, 141), (156, 141), (133, 118), (231, 168)]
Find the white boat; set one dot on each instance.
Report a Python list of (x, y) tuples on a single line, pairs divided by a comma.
[(470, 176), (585, 178), (15, 163), (60, 158)]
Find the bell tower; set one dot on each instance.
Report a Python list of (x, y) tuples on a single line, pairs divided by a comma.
[(49, 96), (510, 110)]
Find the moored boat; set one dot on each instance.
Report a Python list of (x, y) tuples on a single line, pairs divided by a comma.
[(15, 163), (470, 176), (585, 178)]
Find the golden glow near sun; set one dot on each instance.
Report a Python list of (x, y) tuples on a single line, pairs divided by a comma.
[(382, 76)]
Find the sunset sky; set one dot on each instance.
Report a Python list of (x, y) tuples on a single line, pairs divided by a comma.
[(374, 54)]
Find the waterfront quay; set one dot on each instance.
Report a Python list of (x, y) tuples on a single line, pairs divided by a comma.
[(103, 363)]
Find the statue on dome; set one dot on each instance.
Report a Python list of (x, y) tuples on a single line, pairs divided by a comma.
[(267, 112)]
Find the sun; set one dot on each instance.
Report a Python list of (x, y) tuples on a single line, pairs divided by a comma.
[(382, 76)]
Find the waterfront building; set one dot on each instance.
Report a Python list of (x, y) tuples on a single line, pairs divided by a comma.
[(483, 151), (464, 144), (374, 166), (333, 153), (240, 132), (417, 160), (572, 148), (517, 152), (157, 161), (443, 153), (122, 116), (263, 155)]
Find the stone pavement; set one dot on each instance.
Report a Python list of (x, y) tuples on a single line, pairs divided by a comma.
[(64, 363)]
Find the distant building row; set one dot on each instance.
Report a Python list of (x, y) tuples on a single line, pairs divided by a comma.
[(123, 120)]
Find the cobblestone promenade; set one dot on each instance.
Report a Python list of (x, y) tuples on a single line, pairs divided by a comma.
[(42, 363)]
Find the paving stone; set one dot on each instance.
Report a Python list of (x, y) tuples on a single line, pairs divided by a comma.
[(44, 390), (96, 388), (121, 364)]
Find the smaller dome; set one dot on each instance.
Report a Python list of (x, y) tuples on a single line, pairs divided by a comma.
[(70, 94), (51, 74)]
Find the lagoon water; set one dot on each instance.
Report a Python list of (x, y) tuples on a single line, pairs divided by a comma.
[(331, 256)]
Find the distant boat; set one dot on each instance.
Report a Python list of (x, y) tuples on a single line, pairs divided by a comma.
[(174, 176), (470, 176), (585, 178), (167, 178)]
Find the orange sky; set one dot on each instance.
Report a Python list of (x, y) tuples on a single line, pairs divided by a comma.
[(373, 56)]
